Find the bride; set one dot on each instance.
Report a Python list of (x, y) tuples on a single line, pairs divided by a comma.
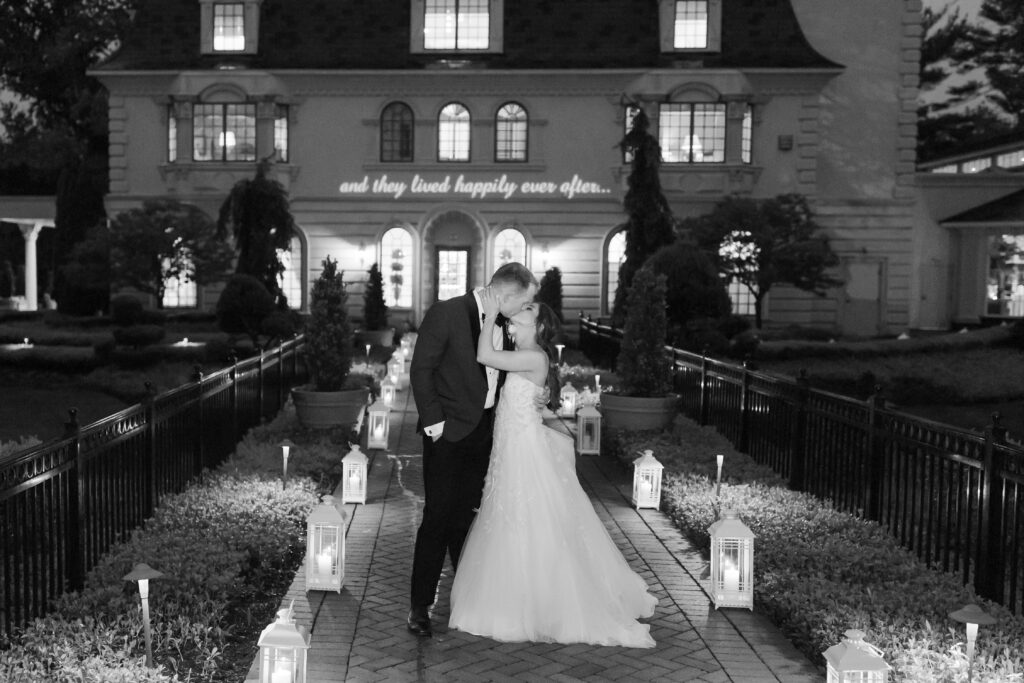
[(538, 564)]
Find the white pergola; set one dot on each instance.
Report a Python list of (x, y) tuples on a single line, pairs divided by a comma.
[(31, 215)]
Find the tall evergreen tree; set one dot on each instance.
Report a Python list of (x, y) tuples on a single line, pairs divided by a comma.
[(259, 218), (650, 224), (1002, 54)]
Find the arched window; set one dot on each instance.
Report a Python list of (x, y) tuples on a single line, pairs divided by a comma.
[(453, 126), (396, 132), (510, 133), (509, 246), (396, 259), (180, 291), (615, 254), (291, 279)]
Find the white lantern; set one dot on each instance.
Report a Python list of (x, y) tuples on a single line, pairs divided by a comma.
[(379, 427), (647, 481), (588, 431), (396, 372), (387, 392), (855, 661), (283, 647), (732, 562), (353, 476), (325, 547), (568, 398), (405, 346)]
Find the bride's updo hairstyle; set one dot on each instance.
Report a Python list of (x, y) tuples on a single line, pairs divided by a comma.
[(548, 328)]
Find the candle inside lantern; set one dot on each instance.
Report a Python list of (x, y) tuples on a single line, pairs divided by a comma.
[(730, 575), (645, 487), (353, 481), (378, 431), (282, 671), (325, 563), (597, 383)]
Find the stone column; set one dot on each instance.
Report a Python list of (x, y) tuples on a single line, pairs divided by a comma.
[(29, 232)]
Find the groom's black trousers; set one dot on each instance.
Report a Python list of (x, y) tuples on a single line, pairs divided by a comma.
[(453, 483)]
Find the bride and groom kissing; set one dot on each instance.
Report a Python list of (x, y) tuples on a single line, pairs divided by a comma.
[(532, 560)]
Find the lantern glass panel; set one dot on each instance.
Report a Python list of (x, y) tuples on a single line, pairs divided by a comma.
[(326, 540)]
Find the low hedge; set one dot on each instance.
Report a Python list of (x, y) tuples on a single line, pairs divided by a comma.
[(819, 572), (229, 548)]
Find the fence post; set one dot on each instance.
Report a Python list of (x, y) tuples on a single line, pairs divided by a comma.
[(798, 464), (152, 496), (200, 447), (744, 441), (989, 580), (704, 389), (259, 391), (76, 505), (234, 398), (873, 505)]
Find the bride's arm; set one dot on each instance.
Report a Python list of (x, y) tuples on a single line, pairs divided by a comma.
[(486, 354)]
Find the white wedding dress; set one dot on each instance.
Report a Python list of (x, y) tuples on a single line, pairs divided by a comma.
[(538, 564)]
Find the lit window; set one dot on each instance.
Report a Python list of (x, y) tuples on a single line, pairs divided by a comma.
[(948, 168), (510, 131), (1011, 159), (747, 145), (976, 165), (742, 298), (691, 24), (396, 133), (172, 135), (180, 291), (631, 111), (229, 27), (692, 133), (453, 133), (224, 132), (281, 133), (616, 254), (509, 246), (290, 279), (456, 24), (452, 273), (396, 255)]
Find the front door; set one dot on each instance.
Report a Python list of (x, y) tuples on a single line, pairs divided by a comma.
[(452, 267), (863, 298)]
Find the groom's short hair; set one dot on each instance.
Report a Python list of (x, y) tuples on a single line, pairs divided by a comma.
[(515, 273)]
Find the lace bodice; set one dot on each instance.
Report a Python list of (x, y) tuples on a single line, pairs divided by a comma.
[(517, 405)]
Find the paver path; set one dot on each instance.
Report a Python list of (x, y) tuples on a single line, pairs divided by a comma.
[(359, 634)]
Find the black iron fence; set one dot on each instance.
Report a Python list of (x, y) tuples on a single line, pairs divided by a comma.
[(66, 502), (955, 497)]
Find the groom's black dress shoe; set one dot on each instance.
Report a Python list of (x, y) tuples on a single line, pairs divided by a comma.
[(418, 621)]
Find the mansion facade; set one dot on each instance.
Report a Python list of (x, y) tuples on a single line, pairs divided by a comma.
[(441, 138)]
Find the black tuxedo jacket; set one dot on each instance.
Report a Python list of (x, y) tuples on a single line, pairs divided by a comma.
[(447, 382)]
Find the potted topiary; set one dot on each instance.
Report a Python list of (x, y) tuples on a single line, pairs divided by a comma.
[(643, 398), (376, 330), (335, 396)]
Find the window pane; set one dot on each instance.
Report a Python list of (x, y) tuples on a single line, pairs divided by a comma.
[(631, 112), (509, 246), (172, 135), (291, 279), (239, 139), (976, 165), (453, 133), (949, 168), (474, 25), (396, 131), (613, 259), (1011, 159), (281, 133), (206, 129), (396, 254), (229, 26), (439, 24), (708, 138), (747, 144), (691, 25), (452, 267), (674, 132), (511, 131), (1005, 291), (180, 291)]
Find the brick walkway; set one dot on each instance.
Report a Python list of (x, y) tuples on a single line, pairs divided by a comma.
[(360, 634)]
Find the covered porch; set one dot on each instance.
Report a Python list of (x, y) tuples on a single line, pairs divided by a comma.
[(30, 214)]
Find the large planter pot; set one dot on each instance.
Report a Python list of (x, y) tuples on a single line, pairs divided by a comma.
[(384, 337), (323, 409), (638, 412)]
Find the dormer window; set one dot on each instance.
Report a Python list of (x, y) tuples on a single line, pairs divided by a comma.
[(690, 25), (229, 27), (456, 26)]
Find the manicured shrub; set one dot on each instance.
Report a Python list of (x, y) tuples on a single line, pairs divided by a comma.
[(550, 291), (243, 305), (375, 312), (643, 365), (125, 310), (329, 335)]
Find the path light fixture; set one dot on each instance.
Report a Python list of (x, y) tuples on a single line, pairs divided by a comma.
[(387, 392), (855, 661), (353, 476), (588, 431), (325, 547), (568, 399), (283, 645), (379, 426), (368, 356), (732, 562), (973, 616), (143, 573), (286, 447), (647, 481), (718, 477), (559, 347)]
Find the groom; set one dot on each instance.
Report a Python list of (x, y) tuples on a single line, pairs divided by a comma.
[(455, 397)]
